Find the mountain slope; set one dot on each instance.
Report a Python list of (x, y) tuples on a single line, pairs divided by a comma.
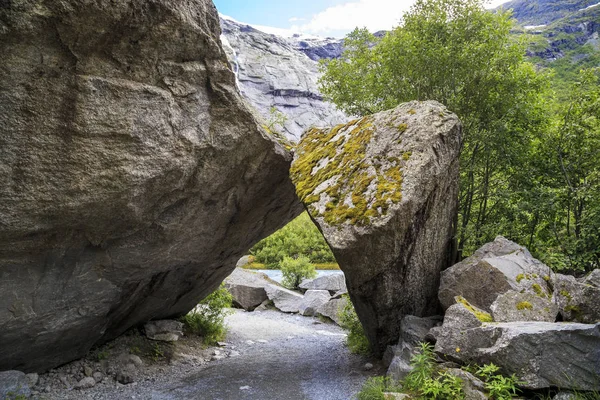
[(544, 12)]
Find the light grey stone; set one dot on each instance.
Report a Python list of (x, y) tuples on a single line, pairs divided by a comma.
[(243, 261), (565, 396), (333, 283), (472, 386), (98, 376), (332, 309), (133, 175), (494, 269), (313, 299), (32, 379), (86, 383), (392, 254), (284, 299), (540, 354), (166, 330), (14, 383), (248, 288), (514, 306), (593, 278)]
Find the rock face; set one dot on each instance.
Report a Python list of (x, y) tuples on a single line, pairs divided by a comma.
[(514, 306), (494, 269), (332, 309), (313, 299), (578, 300), (166, 330), (248, 288), (540, 354), (383, 190), (271, 73), (333, 282), (284, 299), (132, 175), (14, 384)]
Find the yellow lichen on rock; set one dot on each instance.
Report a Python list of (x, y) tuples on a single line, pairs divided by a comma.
[(359, 187)]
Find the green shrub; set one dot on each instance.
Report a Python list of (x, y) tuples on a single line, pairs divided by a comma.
[(374, 388), (294, 270), (208, 318), (357, 340), (500, 387), (298, 238)]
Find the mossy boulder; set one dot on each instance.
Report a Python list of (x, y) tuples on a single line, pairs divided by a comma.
[(383, 190), (578, 300), (514, 306), (494, 269)]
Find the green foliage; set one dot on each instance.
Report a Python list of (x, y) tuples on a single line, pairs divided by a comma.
[(157, 353), (276, 118), (375, 387), (357, 340), (299, 237), (295, 270), (530, 167), (500, 387), (208, 318)]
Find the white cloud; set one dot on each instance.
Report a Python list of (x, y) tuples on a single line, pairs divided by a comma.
[(296, 19), (375, 15)]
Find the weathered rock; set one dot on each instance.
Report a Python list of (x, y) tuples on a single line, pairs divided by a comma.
[(166, 330), (284, 299), (333, 282), (248, 288), (593, 278), (313, 299), (86, 383), (132, 174), (13, 384), (578, 301), (514, 306), (472, 386), (413, 330), (383, 190), (565, 396), (32, 379), (540, 354), (243, 261), (332, 309), (271, 73), (494, 269), (98, 376)]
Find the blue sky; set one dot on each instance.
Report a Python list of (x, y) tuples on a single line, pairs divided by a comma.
[(318, 17)]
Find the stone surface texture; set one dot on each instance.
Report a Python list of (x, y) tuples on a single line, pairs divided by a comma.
[(578, 300), (383, 190), (313, 299), (334, 283), (284, 299), (332, 309), (494, 269), (540, 354), (248, 288), (272, 72), (514, 306), (166, 330), (13, 384), (132, 174)]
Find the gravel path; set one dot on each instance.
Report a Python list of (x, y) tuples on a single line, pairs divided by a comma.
[(272, 356)]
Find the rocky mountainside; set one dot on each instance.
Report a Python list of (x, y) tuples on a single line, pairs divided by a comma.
[(544, 12), (275, 75)]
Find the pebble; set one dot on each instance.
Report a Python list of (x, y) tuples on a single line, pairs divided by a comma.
[(368, 367), (86, 383)]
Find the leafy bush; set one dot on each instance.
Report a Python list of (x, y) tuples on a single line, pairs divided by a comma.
[(357, 340), (295, 270), (374, 388), (500, 387), (298, 238), (208, 318)]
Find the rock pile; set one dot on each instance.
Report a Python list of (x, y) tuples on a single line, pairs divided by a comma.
[(502, 307)]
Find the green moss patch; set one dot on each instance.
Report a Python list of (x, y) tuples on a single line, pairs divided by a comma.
[(524, 305), (480, 314), (359, 189)]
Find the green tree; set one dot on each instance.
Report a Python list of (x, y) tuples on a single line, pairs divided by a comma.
[(295, 270), (455, 52), (299, 237)]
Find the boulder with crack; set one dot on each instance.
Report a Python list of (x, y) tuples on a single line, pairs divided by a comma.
[(132, 174), (383, 190), (248, 288)]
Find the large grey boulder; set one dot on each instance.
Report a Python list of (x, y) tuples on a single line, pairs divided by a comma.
[(578, 300), (284, 299), (514, 306), (166, 330), (313, 299), (494, 269), (273, 74), (383, 190), (332, 282), (13, 385), (248, 288), (333, 308), (132, 174), (540, 354)]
